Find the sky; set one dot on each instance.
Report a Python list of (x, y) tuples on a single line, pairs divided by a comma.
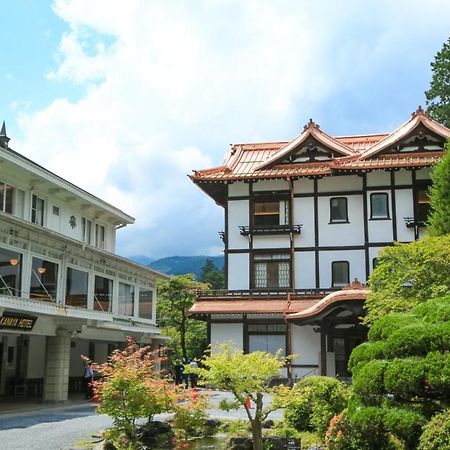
[(126, 98)]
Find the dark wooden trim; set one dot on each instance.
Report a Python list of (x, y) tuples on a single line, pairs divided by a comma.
[(311, 249), (291, 236), (225, 260), (366, 227), (316, 232), (244, 334), (393, 207), (239, 197), (251, 207), (305, 366), (323, 352)]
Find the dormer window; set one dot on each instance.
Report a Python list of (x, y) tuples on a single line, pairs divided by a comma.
[(270, 212), (37, 210), (99, 236)]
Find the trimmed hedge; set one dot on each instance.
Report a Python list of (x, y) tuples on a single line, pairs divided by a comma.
[(369, 384), (364, 353), (436, 434), (405, 377)]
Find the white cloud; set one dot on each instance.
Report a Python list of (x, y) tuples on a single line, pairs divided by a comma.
[(169, 84)]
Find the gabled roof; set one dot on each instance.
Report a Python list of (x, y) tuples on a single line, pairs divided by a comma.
[(310, 130), (267, 160), (417, 118)]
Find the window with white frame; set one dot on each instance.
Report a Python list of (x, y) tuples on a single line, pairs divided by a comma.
[(37, 210), (86, 230), (10, 272), (76, 288), (379, 207), (103, 293), (340, 273), (6, 198), (99, 236), (145, 303), (44, 280), (338, 210), (126, 299), (271, 270)]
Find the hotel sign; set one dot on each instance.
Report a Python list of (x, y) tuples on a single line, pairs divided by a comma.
[(17, 322)]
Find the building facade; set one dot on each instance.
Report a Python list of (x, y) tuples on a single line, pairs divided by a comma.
[(304, 223), (63, 290)]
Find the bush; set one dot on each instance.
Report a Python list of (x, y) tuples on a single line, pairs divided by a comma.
[(364, 353), (405, 424), (387, 325), (435, 311), (437, 365), (369, 383), (436, 434), (405, 377), (315, 400)]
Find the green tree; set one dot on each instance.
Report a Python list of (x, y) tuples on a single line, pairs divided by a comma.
[(175, 298), (439, 219), (401, 376), (212, 275), (408, 274), (438, 96), (246, 376)]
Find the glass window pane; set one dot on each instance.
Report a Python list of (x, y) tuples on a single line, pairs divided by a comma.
[(10, 272), (379, 205), (338, 209), (77, 288), (267, 343), (103, 292), (145, 303), (340, 273), (44, 280), (423, 204), (267, 213), (126, 299), (9, 192)]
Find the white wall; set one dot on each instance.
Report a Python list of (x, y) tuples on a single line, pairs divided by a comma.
[(271, 185), (380, 230), (238, 271), (273, 241), (303, 185), (238, 214), (423, 174), (341, 234), (223, 332), (340, 183), (378, 178), (237, 189), (306, 345), (403, 177), (304, 215), (305, 275), (404, 206)]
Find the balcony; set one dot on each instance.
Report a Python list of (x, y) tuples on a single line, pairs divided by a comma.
[(269, 230), (411, 222)]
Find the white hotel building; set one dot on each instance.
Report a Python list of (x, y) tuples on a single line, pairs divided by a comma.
[(63, 291), (303, 220)]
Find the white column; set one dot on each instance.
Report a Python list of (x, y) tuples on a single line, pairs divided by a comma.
[(56, 379)]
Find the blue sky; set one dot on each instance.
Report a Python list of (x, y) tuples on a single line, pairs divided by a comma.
[(126, 98)]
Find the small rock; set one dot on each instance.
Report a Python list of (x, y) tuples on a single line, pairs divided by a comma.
[(268, 424)]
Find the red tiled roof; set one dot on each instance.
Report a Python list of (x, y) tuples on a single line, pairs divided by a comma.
[(362, 152)]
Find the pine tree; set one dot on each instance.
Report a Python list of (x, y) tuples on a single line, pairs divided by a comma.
[(438, 96)]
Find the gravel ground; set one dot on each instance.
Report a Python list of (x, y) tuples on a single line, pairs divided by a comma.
[(61, 428)]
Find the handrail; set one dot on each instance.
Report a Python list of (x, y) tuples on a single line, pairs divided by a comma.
[(246, 230)]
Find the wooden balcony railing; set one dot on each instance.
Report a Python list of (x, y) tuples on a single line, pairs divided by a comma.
[(270, 229)]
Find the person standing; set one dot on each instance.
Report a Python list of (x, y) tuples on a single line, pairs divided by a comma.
[(193, 376), (88, 378)]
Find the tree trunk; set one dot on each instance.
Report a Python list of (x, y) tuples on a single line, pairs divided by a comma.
[(183, 337), (257, 423)]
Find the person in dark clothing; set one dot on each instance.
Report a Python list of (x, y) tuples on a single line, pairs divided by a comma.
[(178, 369), (88, 378)]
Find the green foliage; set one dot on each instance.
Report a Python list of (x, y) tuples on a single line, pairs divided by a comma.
[(436, 434), (364, 353), (388, 324), (313, 402), (369, 383), (405, 377), (439, 218), (407, 275), (175, 298), (213, 276), (196, 340), (246, 376), (405, 424), (189, 419), (438, 96), (437, 365)]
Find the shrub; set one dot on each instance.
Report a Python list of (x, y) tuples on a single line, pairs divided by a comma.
[(387, 325), (369, 383), (364, 353), (437, 365), (436, 434), (435, 311), (404, 377), (315, 400), (405, 424)]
